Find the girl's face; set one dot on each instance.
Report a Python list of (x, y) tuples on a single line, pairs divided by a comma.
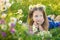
[(38, 17)]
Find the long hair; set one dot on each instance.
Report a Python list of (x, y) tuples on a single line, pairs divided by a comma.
[(30, 20)]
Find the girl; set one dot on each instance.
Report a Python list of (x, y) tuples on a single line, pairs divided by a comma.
[(37, 20)]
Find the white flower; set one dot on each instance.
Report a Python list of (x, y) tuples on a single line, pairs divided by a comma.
[(3, 7), (20, 21), (13, 19), (20, 11), (45, 34), (41, 33), (4, 27), (4, 4), (44, 7), (38, 5), (8, 5), (3, 15), (30, 7), (34, 29)]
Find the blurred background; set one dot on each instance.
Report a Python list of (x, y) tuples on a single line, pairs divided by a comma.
[(13, 18)]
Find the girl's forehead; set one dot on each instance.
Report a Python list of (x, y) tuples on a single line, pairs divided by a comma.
[(37, 12)]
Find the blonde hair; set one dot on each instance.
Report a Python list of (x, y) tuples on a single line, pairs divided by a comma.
[(30, 20)]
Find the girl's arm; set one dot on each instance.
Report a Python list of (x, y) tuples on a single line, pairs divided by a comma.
[(41, 28), (30, 30)]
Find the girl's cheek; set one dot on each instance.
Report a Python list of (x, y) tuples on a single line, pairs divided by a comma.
[(42, 20), (35, 19)]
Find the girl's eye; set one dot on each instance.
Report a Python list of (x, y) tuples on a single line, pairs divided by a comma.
[(36, 16)]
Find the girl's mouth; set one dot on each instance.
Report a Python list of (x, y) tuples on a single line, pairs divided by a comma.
[(38, 23)]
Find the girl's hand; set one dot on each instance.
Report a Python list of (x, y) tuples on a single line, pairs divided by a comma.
[(35, 23), (41, 28), (38, 26)]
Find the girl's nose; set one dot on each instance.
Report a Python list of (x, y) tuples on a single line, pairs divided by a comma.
[(38, 18)]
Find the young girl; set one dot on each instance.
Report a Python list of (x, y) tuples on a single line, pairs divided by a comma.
[(37, 19)]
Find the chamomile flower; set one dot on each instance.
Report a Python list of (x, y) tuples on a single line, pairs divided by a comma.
[(3, 8), (41, 33), (44, 7), (13, 19), (8, 5), (45, 34), (30, 7), (34, 29), (20, 21), (37, 5), (3, 15), (4, 27), (20, 11)]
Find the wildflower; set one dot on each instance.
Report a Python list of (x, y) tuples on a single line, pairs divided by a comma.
[(12, 30), (13, 19), (20, 11), (30, 7), (3, 15), (4, 27), (8, 5), (11, 24), (34, 29), (38, 5), (45, 34), (3, 34), (20, 21), (2, 21)]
